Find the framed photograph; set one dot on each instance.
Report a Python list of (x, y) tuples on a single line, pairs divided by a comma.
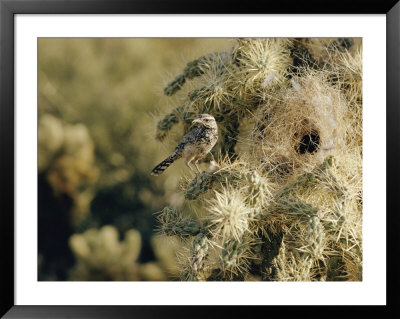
[(157, 155)]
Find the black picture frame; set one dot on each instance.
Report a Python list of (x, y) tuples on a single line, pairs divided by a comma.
[(8, 10)]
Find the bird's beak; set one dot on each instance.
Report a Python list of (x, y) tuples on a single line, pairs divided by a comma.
[(197, 121)]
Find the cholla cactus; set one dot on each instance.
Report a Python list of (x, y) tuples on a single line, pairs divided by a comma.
[(283, 200), (67, 159), (102, 256)]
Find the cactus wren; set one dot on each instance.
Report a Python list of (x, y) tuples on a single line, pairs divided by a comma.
[(194, 145)]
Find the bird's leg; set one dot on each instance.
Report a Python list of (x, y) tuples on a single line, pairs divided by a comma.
[(195, 163), (212, 156), (188, 165)]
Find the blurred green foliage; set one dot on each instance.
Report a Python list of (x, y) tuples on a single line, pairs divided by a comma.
[(97, 101)]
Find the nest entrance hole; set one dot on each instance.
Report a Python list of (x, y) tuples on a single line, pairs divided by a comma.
[(309, 143)]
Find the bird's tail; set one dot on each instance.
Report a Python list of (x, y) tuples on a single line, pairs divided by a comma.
[(160, 168)]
